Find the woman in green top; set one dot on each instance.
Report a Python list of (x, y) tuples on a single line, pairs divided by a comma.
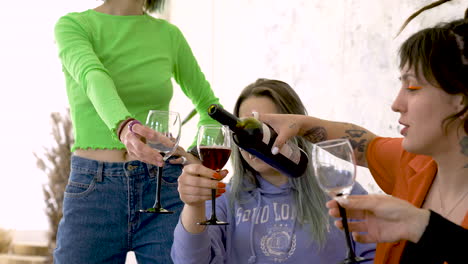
[(118, 63)]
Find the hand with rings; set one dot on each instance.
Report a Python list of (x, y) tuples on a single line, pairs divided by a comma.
[(182, 160), (134, 135)]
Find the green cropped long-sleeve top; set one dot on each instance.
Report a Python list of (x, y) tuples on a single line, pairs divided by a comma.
[(118, 67)]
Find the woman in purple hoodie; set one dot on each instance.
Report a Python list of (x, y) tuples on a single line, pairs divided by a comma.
[(273, 218)]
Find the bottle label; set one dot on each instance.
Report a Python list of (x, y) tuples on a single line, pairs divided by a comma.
[(266, 134), (291, 151)]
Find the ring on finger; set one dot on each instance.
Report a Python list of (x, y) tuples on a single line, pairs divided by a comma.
[(184, 160)]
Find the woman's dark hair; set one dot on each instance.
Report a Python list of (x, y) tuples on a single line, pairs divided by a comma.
[(309, 200), (440, 55), (154, 5)]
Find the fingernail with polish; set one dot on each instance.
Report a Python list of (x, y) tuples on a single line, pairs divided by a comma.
[(217, 176), (221, 185), (274, 150)]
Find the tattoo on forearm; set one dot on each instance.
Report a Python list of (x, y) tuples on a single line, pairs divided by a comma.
[(355, 138), (316, 134), (464, 147), (358, 145), (355, 133)]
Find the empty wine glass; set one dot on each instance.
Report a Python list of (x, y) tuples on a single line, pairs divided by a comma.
[(214, 148), (167, 125), (335, 169)]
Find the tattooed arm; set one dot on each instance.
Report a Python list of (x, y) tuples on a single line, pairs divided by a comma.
[(316, 130)]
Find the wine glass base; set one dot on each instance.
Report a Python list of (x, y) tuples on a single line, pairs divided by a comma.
[(155, 211), (213, 222), (356, 260)]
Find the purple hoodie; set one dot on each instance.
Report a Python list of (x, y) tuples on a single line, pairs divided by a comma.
[(262, 230)]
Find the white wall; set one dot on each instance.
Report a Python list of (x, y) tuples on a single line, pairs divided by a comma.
[(339, 55), (32, 86)]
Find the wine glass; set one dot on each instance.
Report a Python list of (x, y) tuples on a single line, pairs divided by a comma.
[(167, 125), (214, 148), (335, 169)]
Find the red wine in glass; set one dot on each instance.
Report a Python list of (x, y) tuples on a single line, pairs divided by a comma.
[(214, 157)]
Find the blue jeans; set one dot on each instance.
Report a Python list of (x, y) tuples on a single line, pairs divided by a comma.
[(101, 222)]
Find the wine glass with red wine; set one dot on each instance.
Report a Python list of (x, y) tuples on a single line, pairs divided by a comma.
[(214, 148), (335, 169), (167, 125)]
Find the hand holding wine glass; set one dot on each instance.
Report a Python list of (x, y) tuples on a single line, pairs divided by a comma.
[(133, 135), (166, 125), (214, 148), (335, 169), (381, 218)]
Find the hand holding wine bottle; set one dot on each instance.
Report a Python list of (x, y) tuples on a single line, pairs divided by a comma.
[(258, 138)]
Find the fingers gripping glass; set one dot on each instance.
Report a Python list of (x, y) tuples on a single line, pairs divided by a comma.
[(214, 148), (335, 169), (166, 141)]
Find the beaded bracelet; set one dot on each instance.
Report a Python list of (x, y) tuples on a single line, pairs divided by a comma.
[(121, 127)]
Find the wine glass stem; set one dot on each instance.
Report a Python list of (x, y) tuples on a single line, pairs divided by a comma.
[(351, 254), (213, 205), (157, 203)]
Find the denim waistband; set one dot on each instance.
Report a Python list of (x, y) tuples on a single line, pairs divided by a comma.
[(112, 168)]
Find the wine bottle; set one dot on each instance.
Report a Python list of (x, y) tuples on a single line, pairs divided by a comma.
[(257, 138)]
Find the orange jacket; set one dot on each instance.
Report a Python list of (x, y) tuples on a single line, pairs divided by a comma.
[(401, 174)]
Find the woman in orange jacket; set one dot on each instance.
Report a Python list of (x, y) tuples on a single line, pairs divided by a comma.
[(428, 166)]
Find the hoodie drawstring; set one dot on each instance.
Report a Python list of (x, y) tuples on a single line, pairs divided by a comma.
[(253, 257)]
